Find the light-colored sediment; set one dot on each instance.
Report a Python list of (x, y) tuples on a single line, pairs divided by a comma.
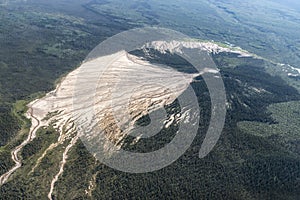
[(92, 185), (211, 47), (110, 97), (36, 124), (62, 164), (127, 81)]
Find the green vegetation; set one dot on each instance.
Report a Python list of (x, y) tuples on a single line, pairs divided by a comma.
[(257, 156), (265, 28), (5, 163), (174, 61), (38, 48), (284, 131), (45, 137), (18, 114), (242, 165), (28, 184)]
